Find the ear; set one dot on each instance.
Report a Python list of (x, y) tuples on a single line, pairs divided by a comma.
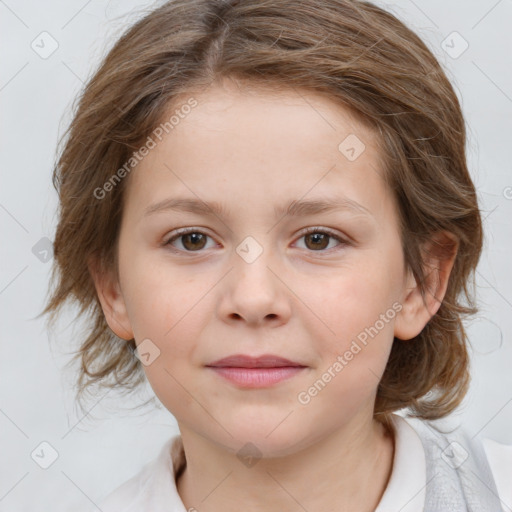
[(439, 256), (111, 299)]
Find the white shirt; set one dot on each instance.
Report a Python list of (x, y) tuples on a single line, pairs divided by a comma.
[(153, 489)]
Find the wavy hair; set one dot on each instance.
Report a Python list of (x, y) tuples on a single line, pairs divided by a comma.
[(359, 56)]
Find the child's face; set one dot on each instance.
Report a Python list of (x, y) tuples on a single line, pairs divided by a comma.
[(304, 298)]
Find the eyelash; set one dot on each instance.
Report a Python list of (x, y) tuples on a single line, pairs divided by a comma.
[(326, 231)]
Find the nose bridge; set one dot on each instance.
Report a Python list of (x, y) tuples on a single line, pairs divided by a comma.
[(252, 261), (252, 265), (253, 292)]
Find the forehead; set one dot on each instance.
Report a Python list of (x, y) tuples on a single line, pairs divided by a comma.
[(290, 111), (259, 143)]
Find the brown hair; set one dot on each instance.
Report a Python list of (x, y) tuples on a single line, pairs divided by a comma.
[(355, 53)]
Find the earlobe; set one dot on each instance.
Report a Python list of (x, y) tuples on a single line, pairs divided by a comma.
[(111, 300), (439, 256)]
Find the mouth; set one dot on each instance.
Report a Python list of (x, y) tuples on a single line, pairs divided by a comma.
[(256, 372)]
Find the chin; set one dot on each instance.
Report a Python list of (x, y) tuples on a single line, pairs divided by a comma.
[(265, 440)]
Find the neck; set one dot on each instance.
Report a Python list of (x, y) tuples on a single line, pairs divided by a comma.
[(349, 470)]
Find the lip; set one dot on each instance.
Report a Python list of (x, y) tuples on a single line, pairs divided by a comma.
[(256, 372), (263, 361)]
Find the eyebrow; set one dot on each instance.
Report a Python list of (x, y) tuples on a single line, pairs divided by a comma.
[(295, 208)]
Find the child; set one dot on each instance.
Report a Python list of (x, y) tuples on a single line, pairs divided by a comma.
[(266, 208)]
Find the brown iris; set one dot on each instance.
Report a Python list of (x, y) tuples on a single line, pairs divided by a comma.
[(319, 240), (193, 241)]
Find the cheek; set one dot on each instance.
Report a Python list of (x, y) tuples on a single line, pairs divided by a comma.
[(160, 299), (174, 327), (354, 359), (358, 308), (354, 298)]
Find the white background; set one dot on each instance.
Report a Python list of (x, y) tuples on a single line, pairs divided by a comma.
[(35, 97)]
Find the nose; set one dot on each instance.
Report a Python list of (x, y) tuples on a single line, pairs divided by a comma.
[(254, 293)]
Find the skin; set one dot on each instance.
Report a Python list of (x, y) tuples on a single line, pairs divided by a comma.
[(253, 150)]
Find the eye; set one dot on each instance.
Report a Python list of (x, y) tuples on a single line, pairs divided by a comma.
[(319, 239), (191, 240)]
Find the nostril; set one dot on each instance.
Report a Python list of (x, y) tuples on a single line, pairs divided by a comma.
[(236, 316)]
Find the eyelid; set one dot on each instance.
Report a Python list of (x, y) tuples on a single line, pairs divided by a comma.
[(183, 231), (320, 229)]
